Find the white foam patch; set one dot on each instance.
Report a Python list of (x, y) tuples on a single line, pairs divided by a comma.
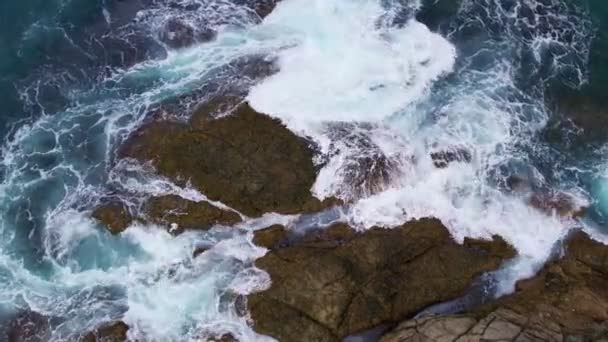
[(340, 64)]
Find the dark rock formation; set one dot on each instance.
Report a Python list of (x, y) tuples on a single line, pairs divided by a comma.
[(223, 338), (442, 159), (114, 215), (114, 332), (277, 236), (435, 13), (556, 202), (28, 326), (545, 198), (324, 290), (246, 160), (270, 237), (566, 301), (178, 34), (366, 168), (172, 209), (261, 7)]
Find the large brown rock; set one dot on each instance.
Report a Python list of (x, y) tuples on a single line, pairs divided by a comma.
[(566, 301), (246, 160), (324, 291), (172, 209)]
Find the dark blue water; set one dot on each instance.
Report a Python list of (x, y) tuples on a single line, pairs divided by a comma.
[(77, 76)]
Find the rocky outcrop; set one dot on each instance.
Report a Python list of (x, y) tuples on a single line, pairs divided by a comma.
[(325, 288), (114, 332), (172, 212), (114, 215), (566, 301), (443, 158), (178, 33), (180, 214), (364, 167), (546, 199), (271, 237), (246, 160)]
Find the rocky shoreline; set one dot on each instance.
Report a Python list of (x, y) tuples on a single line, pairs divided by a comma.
[(332, 282)]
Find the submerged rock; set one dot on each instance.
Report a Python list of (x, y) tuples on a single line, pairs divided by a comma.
[(29, 326), (547, 200), (587, 113), (442, 159), (113, 332), (566, 301), (364, 168), (177, 33), (262, 8), (557, 202), (246, 160), (114, 215), (436, 13), (323, 291), (223, 338), (184, 214)]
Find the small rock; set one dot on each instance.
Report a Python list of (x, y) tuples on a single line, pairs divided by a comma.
[(200, 250), (29, 326), (223, 157), (556, 202), (324, 291), (442, 159), (114, 332), (177, 34), (270, 237), (566, 301), (180, 214), (114, 215)]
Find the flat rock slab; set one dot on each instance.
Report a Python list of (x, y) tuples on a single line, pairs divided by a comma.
[(323, 292), (566, 301), (186, 215), (246, 160)]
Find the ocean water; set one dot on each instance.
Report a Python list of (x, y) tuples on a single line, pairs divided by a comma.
[(397, 79)]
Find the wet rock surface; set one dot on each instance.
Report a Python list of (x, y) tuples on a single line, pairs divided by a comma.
[(114, 332), (177, 34), (566, 301), (270, 237), (278, 236), (366, 168), (114, 215), (180, 214), (246, 160), (326, 288), (261, 7), (443, 158)]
